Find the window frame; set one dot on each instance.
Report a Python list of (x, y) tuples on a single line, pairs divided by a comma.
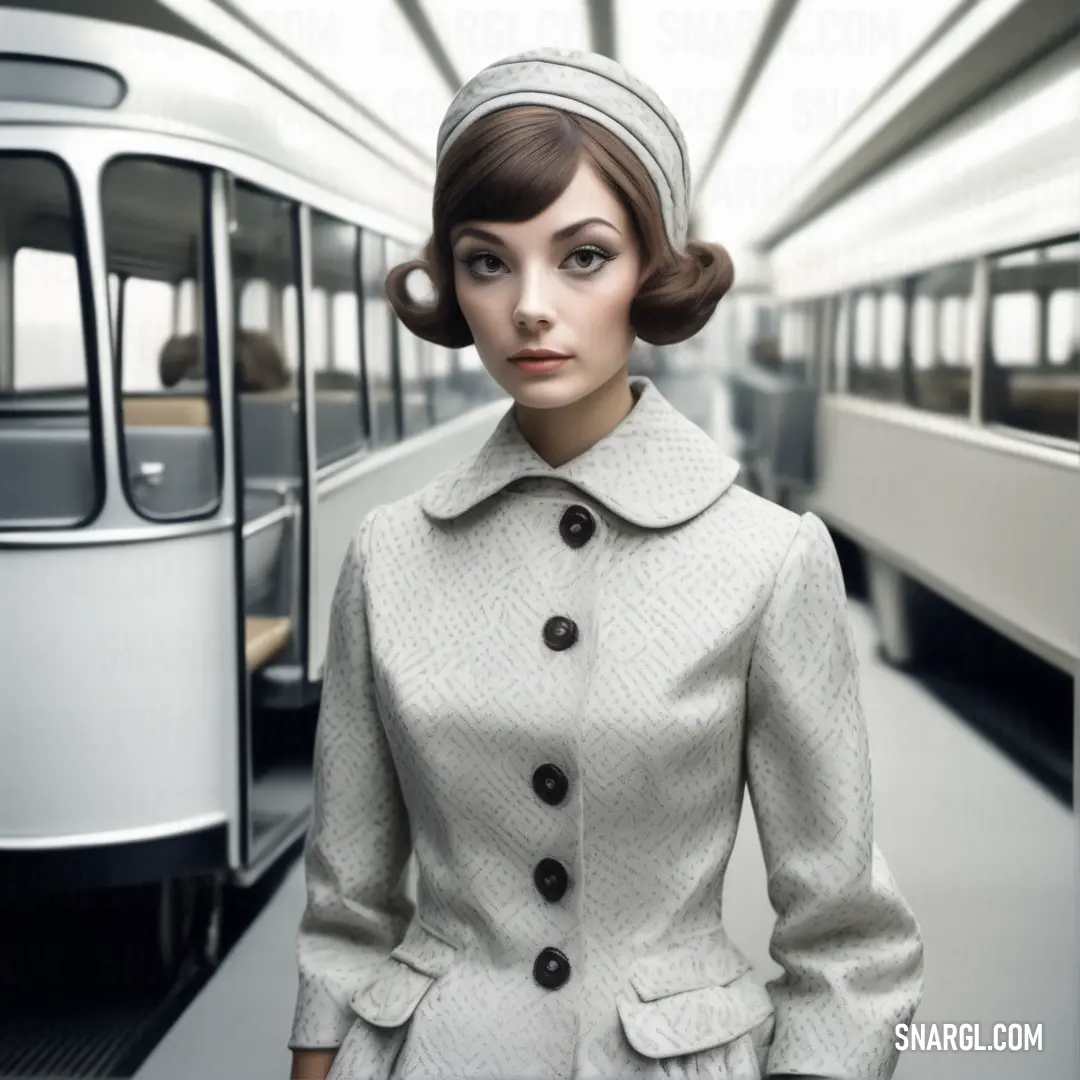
[(993, 374), (897, 374), (87, 310), (328, 468), (211, 345), (377, 439), (978, 330)]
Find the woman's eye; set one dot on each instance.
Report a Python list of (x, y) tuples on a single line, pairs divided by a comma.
[(484, 264), (582, 260), (588, 259)]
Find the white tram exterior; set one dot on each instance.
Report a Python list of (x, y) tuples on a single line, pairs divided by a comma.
[(202, 391), (914, 376)]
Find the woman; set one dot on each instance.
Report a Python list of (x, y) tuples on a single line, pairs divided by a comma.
[(551, 671)]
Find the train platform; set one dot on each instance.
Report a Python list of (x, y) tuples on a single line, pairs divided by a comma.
[(985, 857)]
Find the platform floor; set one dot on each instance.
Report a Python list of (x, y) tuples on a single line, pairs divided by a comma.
[(984, 856)]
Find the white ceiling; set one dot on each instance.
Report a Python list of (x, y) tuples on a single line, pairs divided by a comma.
[(831, 55)]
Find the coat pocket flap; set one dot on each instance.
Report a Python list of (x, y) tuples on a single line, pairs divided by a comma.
[(711, 960), (425, 951), (694, 1020), (391, 998), (403, 979)]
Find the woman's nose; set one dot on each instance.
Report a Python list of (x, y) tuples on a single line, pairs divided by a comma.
[(535, 308)]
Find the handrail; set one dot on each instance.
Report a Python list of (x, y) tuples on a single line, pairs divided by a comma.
[(261, 524)]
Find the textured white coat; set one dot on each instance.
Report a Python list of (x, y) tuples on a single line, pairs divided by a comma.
[(712, 650)]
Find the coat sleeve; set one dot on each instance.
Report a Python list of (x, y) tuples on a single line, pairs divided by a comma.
[(850, 947), (359, 840)]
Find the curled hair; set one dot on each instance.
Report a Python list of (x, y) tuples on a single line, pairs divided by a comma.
[(513, 164)]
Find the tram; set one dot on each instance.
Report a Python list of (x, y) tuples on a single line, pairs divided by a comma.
[(912, 370), (202, 391)]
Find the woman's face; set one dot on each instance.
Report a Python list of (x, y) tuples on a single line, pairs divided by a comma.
[(561, 282)]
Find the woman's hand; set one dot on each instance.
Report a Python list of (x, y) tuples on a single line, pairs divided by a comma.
[(312, 1064)]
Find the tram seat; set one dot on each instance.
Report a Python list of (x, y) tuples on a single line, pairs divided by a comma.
[(46, 473), (1049, 393), (1046, 402), (943, 389), (264, 637), (171, 410)]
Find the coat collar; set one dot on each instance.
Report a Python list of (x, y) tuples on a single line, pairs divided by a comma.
[(655, 469)]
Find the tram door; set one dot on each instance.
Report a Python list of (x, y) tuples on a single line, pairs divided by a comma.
[(272, 486)]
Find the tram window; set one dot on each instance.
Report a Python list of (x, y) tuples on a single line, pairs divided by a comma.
[(344, 330), (154, 215), (449, 396), (796, 342), (740, 315), (334, 338), (413, 359), (1014, 332), (148, 328), (1033, 361), (863, 344), (50, 353), (452, 388), (840, 355), (440, 369), (188, 299), (265, 273), (268, 361), (379, 346), (1063, 308), (764, 348), (318, 348), (878, 344), (290, 328), (1063, 329), (473, 381), (47, 474), (891, 343), (268, 314), (415, 381), (942, 345)]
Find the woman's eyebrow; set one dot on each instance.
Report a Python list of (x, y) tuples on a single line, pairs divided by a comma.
[(564, 233), (569, 230), (480, 234)]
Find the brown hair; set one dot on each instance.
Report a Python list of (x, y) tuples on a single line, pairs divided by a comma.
[(513, 164), (258, 360)]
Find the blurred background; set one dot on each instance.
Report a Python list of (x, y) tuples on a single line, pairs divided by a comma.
[(203, 390)]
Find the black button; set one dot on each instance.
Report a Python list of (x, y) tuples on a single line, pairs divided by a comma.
[(551, 969), (551, 879), (560, 632), (577, 526), (550, 783)]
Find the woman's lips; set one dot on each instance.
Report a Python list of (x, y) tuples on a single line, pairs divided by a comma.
[(540, 364), (539, 360)]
